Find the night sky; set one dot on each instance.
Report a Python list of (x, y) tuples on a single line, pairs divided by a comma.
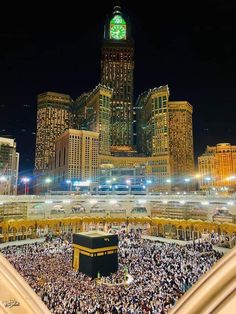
[(189, 45)]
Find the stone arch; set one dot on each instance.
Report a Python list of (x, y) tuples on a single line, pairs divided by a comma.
[(167, 230), (12, 232)]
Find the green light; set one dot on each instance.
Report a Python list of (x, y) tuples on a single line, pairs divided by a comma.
[(118, 32), (117, 28), (117, 19)]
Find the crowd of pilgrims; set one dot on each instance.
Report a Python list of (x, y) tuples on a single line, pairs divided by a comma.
[(161, 273)]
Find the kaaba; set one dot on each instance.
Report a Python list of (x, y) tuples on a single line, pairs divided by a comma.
[(95, 253)]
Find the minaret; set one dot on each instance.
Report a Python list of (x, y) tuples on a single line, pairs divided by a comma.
[(117, 66)]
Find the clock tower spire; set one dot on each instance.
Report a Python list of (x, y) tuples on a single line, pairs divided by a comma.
[(117, 67)]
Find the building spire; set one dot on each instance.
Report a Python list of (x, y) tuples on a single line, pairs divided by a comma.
[(117, 7)]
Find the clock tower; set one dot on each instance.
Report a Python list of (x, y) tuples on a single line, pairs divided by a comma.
[(117, 66)]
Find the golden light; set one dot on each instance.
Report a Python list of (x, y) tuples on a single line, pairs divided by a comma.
[(231, 178)]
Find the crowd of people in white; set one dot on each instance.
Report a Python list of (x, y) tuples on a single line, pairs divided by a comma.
[(223, 240), (161, 273)]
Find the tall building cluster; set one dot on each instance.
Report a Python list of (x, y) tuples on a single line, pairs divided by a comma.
[(105, 135), (79, 139)]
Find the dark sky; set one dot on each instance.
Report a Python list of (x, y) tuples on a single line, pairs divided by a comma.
[(189, 45)]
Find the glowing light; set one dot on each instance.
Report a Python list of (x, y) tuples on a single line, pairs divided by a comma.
[(82, 183), (93, 201), (48, 202), (25, 180), (48, 180), (231, 178), (142, 201), (113, 201)]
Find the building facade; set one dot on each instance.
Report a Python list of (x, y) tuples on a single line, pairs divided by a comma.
[(156, 169), (93, 113), (117, 66), (53, 119), (153, 122), (9, 166), (164, 130), (217, 167), (76, 157), (181, 140)]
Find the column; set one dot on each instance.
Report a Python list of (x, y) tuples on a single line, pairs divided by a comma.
[(177, 233), (185, 234)]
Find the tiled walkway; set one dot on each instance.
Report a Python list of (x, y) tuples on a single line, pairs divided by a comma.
[(217, 248), (28, 241), (21, 242)]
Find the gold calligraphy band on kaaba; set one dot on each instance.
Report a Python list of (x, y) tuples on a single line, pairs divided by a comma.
[(103, 249)]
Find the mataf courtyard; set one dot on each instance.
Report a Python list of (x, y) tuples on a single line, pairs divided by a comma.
[(161, 273)]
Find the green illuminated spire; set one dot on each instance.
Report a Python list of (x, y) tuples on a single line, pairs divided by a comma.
[(118, 19)]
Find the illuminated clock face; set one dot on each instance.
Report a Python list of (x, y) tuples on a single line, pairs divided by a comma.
[(118, 31), (118, 28)]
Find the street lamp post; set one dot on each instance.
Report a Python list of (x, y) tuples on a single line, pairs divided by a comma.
[(197, 177), (76, 185), (208, 183), (128, 182), (69, 182), (26, 181), (148, 182), (187, 180), (48, 181), (169, 184)]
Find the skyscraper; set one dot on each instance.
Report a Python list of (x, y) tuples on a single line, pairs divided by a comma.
[(53, 117), (153, 122), (181, 140), (164, 129), (93, 113), (9, 165), (117, 67)]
